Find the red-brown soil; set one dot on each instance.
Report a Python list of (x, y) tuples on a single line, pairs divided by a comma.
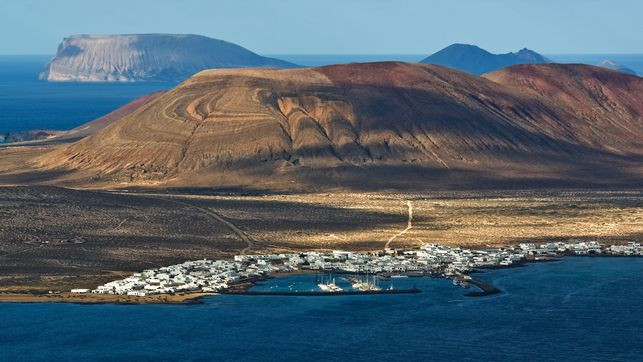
[(370, 126)]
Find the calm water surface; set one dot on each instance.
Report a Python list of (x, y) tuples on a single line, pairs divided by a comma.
[(581, 309), (27, 103)]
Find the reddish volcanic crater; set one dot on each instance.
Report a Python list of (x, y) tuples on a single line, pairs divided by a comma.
[(369, 126)]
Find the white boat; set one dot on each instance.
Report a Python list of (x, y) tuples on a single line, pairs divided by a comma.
[(329, 287), (365, 285)]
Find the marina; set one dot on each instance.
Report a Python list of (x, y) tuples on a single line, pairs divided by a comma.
[(433, 323), (485, 287), (333, 181), (365, 270), (325, 294)]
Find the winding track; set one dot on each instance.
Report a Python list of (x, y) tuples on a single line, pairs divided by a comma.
[(240, 233), (409, 226), (250, 244)]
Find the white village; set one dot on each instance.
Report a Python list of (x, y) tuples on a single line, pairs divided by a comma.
[(213, 276)]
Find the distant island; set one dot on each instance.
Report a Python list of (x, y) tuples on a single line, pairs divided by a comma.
[(614, 65), (475, 60), (365, 127), (21, 136), (147, 57)]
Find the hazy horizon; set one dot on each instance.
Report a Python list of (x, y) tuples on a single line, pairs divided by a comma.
[(356, 54), (36, 27), (632, 61)]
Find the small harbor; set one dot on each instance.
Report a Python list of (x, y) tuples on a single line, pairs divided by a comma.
[(322, 285), (441, 314), (324, 294), (485, 287), (348, 273)]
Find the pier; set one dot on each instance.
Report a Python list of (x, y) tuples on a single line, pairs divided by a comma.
[(485, 288), (322, 294), (212, 276)]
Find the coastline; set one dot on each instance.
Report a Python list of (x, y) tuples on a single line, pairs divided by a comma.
[(242, 287), (440, 307), (68, 297), (486, 288), (94, 298), (324, 294)]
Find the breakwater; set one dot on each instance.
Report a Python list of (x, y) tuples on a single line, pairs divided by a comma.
[(322, 294), (485, 288)]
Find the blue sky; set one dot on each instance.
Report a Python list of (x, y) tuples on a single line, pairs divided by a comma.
[(337, 26)]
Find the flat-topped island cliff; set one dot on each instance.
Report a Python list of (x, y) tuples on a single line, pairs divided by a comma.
[(146, 57)]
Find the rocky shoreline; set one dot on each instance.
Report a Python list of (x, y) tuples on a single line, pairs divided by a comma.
[(24, 136)]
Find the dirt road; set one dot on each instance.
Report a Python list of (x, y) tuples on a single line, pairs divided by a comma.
[(409, 226)]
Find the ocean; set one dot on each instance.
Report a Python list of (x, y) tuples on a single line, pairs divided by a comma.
[(578, 309), (632, 61), (27, 103)]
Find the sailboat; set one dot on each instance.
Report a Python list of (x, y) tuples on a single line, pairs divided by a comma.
[(365, 284), (331, 286)]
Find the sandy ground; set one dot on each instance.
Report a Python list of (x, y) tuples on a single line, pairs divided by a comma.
[(474, 219), (58, 239)]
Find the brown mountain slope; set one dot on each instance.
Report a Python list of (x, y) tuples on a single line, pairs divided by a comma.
[(89, 128), (373, 125), (102, 122), (604, 109)]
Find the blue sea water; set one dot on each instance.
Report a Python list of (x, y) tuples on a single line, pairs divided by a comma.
[(579, 309), (632, 61), (27, 103), (316, 60)]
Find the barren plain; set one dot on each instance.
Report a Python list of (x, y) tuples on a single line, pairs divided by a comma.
[(355, 157), (56, 239)]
